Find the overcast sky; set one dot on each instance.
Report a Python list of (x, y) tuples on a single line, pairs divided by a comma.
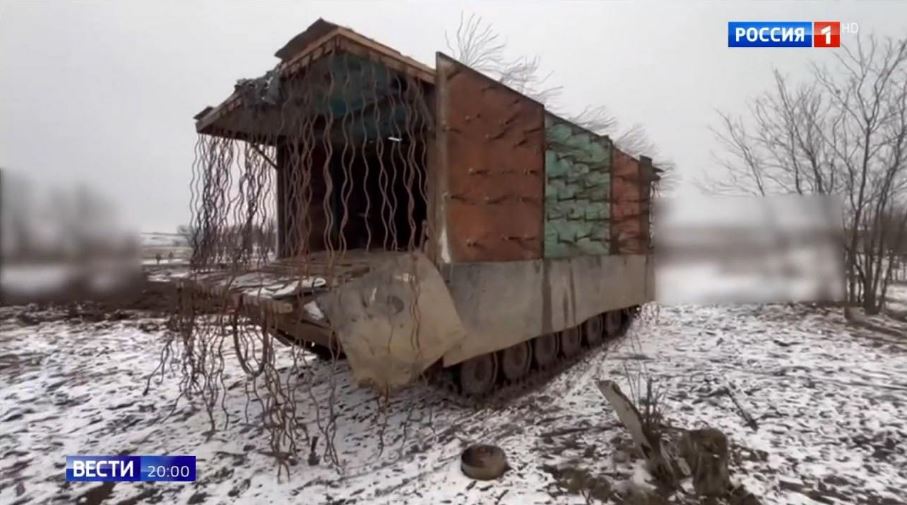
[(103, 92)]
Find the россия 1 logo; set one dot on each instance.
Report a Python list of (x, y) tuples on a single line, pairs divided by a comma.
[(784, 33)]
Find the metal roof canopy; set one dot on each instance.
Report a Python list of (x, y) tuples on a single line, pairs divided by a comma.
[(235, 119)]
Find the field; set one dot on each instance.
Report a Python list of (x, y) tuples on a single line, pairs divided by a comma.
[(829, 398)]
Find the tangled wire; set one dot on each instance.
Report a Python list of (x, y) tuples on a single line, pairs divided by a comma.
[(331, 162)]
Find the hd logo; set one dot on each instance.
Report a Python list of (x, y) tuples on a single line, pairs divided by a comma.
[(784, 33)]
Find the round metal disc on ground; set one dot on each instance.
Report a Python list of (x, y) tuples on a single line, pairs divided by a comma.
[(544, 350), (593, 330), (516, 360), (483, 462), (571, 341), (613, 323), (477, 375)]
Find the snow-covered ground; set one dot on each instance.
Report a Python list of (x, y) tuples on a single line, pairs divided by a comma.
[(830, 401), (896, 300)]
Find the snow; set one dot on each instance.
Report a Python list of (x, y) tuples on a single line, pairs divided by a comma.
[(830, 400), (896, 299)]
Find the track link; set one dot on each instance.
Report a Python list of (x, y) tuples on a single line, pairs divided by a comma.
[(504, 391), (507, 391)]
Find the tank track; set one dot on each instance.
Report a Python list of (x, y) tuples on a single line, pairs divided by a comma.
[(444, 379), (322, 352), (506, 391)]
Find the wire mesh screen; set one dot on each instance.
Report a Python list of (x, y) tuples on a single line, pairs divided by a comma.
[(308, 170)]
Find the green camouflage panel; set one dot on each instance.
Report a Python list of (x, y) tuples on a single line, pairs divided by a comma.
[(577, 190)]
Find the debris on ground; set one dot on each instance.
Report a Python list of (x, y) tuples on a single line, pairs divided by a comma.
[(831, 407)]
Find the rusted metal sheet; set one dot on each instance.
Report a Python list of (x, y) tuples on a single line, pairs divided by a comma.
[(491, 165), (647, 177), (302, 41), (627, 215)]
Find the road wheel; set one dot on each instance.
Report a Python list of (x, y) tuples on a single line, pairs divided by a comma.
[(284, 338), (516, 360), (613, 323), (629, 314), (593, 330), (544, 350), (571, 342), (324, 352), (477, 375)]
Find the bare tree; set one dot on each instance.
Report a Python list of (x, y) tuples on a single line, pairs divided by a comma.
[(844, 133), (782, 148), (16, 222), (478, 45)]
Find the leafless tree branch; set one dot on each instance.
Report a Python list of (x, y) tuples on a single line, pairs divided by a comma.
[(475, 43), (844, 133)]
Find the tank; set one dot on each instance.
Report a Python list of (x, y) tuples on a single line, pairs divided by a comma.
[(424, 218)]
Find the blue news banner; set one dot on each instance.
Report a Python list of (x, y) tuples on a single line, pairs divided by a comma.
[(770, 34), (130, 468)]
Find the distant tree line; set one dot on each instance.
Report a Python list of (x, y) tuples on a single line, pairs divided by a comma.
[(842, 132), (237, 243), (58, 224)]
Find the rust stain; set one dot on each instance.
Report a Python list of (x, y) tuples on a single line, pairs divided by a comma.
[(494, 146), (627, 210)]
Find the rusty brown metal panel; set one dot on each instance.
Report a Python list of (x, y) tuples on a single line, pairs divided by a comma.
[(646, 179), (626, 205), (491, 149)]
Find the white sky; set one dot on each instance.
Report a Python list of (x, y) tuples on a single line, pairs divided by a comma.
[(103, 92)]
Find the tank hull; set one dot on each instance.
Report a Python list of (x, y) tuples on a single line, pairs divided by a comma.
[(401, 314), (406, 314)]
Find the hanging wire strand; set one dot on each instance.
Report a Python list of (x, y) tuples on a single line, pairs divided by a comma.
[(336, 168)]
